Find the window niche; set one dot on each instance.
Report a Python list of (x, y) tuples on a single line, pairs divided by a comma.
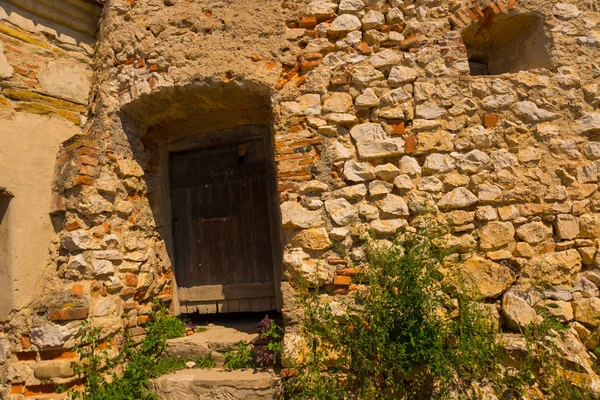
[(506, 45)]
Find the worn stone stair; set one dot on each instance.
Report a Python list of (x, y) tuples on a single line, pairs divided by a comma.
[(216, 383)]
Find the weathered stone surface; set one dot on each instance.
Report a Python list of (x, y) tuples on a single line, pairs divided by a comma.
[(587, 311), (358, 172), (554, 269), (294, 216), (517, 313), (372, 142), (312, 239), (486, 279), (473, 162), (561, 310), (387, 226), (393, 205), (588, 124), (567, 226), (400, 75), (341, 211), (129, 168), (458, 198), (409, 165), (589, 226), (438, 163), (565, 11), (387, 172), (337, 102), (52, 335), (530, 112), (533, 232), (216, 383), (354, 192), (66, 80), (495, 235), (79, 240), (6, 70), (343, 24), (53, 369), (367, 99)]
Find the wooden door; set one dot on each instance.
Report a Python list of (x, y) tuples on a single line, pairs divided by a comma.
[(223, 248)]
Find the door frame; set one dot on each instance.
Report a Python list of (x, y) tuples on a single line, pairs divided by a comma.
[(162, 196)]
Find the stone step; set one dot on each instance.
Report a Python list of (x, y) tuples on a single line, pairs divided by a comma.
[(217, 384), (216, 340)]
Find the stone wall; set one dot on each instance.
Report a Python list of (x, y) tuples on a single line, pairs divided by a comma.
[(375, 117), (45, 79)]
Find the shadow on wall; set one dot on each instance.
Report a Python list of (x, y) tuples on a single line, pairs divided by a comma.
[(510, 44), (193, 117), (6, 289)]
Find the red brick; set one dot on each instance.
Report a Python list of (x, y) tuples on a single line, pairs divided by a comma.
[(17, 389), (397, 128), (77, 290), (350, 271), (83, 180), (69, 314), (512, 4), (308, 23), (130, 279), (86, 160), (490, 120), (60, 354), (342, 280), (25, 342), (410, 144), (364, 48)]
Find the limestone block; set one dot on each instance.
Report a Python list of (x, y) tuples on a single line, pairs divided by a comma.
[(486, 279), (488, 193), (79, 240), (592, 151), (400, 75), (589, 226), (66, 80), (341, 211), (368, 211), (566, 226), (473, 162), (528, 111), (358, 172), (387, 226), (6, 70), (436, 141), (385, 58), (337, 102), (486, 213), (561, 310), (503, 159), (495, 235), (430, 111), (372, 20), (344, 24), (103, 268), (556, 269), (438, 163), (395, 97), (367, 99), (353, 192), (533, 232), (4, 350), (92, 203), (393, 205), (458, 198), (365, 74), (403, 182), (321, 9), (350, 6), (380, 188), (387, 172), (517, 312), (339, 152), (53, 369), (430, 184), (523, 250), (409, 165), (565, 11), (587, 311), (294, 216), (588, 124), (313, 186), (127, 167), (52, 335), (338, 233), (497, 102)]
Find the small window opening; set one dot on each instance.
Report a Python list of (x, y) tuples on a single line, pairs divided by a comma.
[(507, 44)]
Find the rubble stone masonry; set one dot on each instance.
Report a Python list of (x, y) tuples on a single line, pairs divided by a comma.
[(484, 112)]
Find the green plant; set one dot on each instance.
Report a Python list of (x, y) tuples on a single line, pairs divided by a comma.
[(403, 338), (127, 374), (240, 357), (270, 332)]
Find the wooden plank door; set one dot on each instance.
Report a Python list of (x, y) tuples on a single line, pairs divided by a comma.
[(223, 248)]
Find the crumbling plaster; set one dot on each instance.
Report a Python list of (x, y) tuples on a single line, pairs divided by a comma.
[(28, 147)]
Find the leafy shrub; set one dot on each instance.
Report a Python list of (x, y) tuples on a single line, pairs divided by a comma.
[(401, 338), (127, 375), (241, 357)]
